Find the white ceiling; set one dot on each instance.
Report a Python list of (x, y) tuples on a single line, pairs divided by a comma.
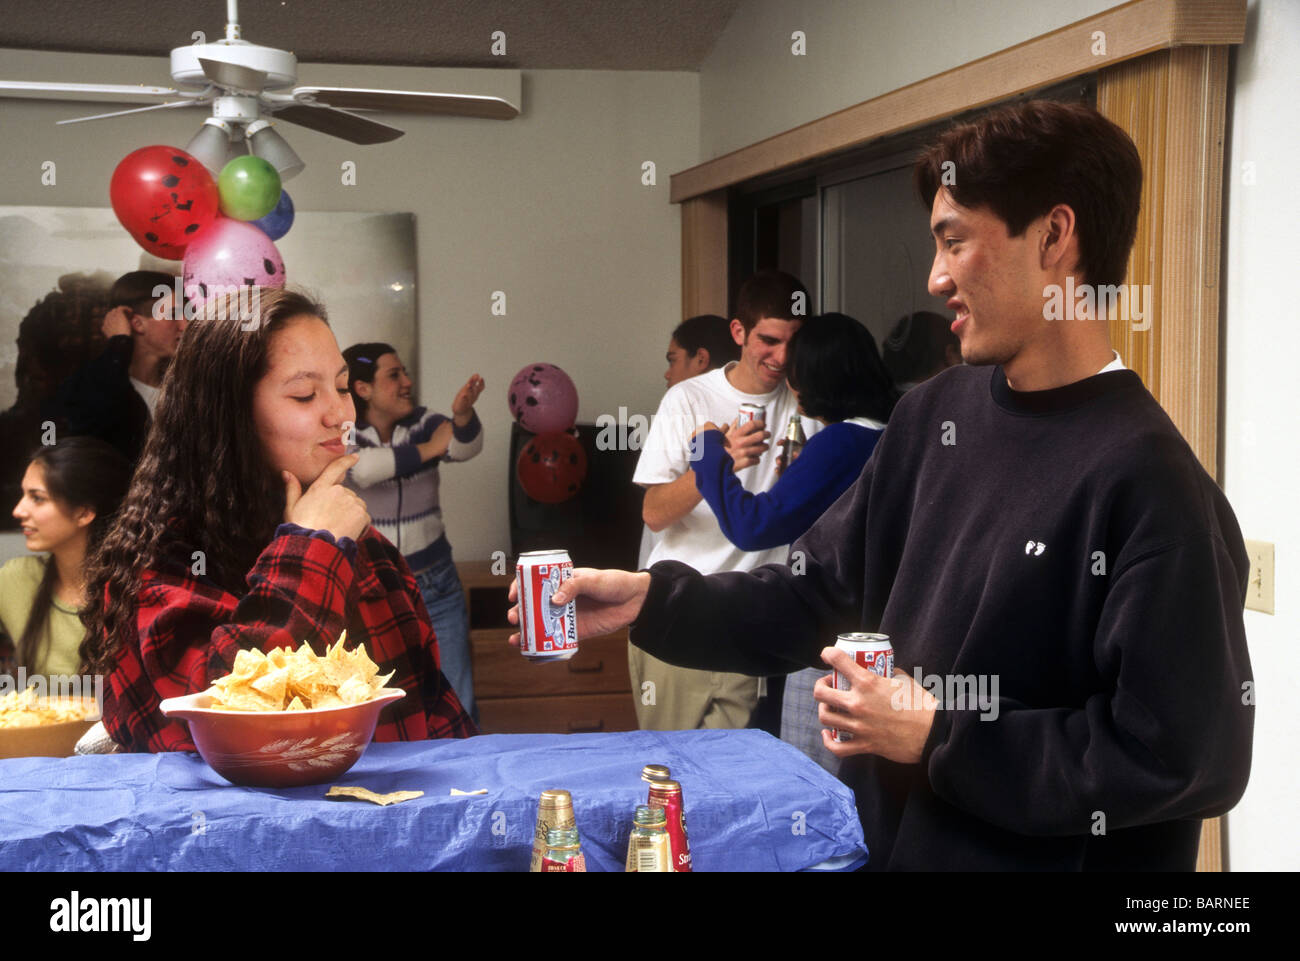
[(540, 34)]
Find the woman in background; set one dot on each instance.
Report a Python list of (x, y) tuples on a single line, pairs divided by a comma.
[(839, 378), (237, 533), (70, 494), (399, 448)]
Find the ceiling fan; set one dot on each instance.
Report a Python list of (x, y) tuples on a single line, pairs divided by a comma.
[(246, 84)]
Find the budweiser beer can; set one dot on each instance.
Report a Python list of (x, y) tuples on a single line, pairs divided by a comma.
[(547, 632), (554, 811), (668, 795), (875, 652), (750, 412)]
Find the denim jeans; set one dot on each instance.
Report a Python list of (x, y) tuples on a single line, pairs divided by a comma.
[(445, 600)]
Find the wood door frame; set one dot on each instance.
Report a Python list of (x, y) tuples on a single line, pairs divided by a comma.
[(1162, 76)]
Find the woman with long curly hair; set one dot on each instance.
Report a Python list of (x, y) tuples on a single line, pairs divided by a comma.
[(237, 533)]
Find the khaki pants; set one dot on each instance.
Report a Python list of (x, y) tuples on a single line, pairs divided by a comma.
[(682, 699)]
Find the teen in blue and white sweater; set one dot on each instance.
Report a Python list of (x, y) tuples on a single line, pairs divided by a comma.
[(400, 446)]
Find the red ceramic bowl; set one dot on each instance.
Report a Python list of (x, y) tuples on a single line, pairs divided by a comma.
[(279, 748)]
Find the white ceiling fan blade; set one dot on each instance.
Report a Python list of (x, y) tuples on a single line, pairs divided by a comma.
[(234, 77), (337, 123), (95, 92), (411, 101), (120, 113)]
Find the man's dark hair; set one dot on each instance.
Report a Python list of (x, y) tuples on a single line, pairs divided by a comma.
[(835, 367), (1020, 161), (917, 346), (770, 293), (711, 332), (136, 289), (363, 361)]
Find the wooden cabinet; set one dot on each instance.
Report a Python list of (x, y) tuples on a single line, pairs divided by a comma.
[(589, 692)]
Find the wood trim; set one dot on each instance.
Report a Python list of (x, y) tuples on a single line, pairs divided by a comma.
[(1173, 104), (704, 255), (1131, 31)]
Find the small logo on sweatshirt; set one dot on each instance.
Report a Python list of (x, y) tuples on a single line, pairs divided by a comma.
[(1035, 547)]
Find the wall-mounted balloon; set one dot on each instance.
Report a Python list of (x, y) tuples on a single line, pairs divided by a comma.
[(230, 254), (163, 197), (551, 467), (277, 223), (249, 187), (543, 399)]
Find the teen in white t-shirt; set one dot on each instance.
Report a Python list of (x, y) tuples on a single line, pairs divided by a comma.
[(673, 698), (696, 539)]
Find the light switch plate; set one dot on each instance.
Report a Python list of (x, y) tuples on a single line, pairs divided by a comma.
[(1259, 588)]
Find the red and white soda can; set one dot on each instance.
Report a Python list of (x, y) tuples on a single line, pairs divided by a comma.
[(547, 632), (750, 412), (875, 652)]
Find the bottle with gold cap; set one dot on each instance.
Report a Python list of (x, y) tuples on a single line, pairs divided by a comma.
[(554, 810), (668, 795), (648, 848), (655, 772), (563, 852)]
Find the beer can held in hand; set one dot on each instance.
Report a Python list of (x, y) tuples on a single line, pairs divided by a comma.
[(750, 412), (875, 652), (547, 632)]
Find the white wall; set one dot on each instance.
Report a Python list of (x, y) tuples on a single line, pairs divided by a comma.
[(549, 208), (752, 86), (1261, 454)]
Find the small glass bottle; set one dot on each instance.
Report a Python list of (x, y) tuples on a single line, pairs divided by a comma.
[(648, 849), (563, 853), (795, 438)]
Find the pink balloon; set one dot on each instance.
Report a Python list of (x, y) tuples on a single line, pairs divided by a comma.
[(229, 254), (543, 399)]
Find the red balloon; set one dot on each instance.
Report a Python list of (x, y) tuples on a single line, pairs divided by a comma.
[(551, 467), (163, 197)]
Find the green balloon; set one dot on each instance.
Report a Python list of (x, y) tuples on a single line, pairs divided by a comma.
[(249, 188)]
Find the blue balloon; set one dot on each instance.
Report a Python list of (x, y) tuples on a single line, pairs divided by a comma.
[(277, 223)]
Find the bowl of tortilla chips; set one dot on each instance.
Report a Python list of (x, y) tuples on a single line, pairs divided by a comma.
[(287, 718), (32, 725)]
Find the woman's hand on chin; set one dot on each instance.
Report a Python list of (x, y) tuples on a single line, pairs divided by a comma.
[(326, 505)]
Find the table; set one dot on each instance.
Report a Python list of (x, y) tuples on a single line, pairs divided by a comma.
[(753, 803)]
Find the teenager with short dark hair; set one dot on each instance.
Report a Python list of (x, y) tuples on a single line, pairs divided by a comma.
[(114, 396), (1034, 533), (697, 345), (770, 311)]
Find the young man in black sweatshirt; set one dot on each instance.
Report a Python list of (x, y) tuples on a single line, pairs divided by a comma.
[(1031, 531)]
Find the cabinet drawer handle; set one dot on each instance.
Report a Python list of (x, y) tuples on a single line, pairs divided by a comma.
[(594, 669), (577, 727)]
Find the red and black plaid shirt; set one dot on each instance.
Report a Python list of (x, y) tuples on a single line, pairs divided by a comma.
[(303, 587)]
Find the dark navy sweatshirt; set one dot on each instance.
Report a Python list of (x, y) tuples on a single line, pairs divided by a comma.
[(1064, 544)]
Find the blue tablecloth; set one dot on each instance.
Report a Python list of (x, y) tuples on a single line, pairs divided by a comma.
[(753, 803)]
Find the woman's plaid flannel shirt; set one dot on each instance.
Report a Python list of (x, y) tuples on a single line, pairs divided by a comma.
[(304, 587)]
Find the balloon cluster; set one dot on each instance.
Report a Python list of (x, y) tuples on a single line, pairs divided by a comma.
[(224, 229), (552, 465)]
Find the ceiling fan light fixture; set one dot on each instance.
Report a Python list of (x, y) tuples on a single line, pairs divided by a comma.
[(264, 142), (212, 145)]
